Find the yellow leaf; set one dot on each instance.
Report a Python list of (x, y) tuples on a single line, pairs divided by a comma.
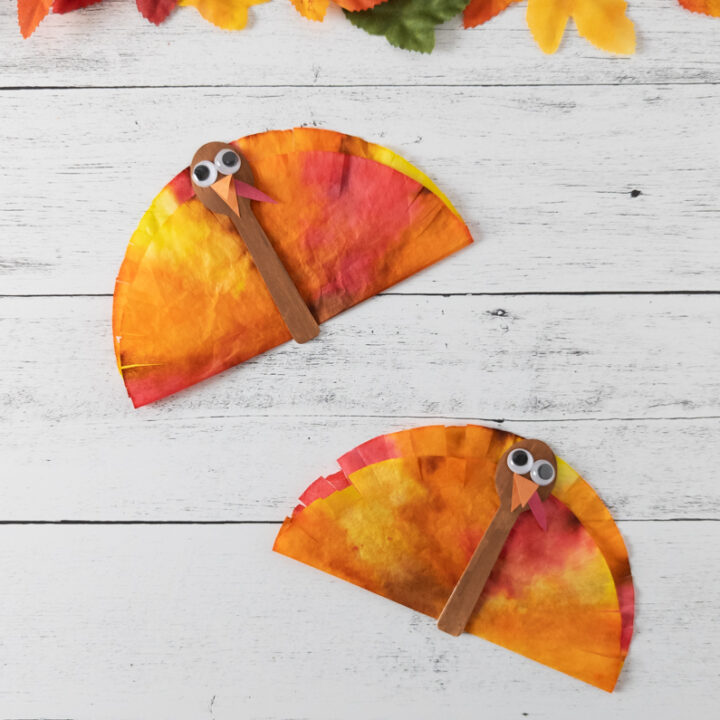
[(226, 14), (602, 22), (312, 9)]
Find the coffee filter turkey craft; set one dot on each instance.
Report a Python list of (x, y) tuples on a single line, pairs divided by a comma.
[(232, 260), (435, 519)]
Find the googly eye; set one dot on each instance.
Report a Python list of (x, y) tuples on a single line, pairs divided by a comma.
[(520, 461), (204, 174), (542, 473), (227, 162)]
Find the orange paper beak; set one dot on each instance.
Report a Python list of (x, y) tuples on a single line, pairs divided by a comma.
[(225, 188), (523, 490)]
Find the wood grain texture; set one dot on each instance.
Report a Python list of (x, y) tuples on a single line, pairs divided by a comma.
[(181, 623), (586, 374), (529, 358), (577, 173), (224, 467), (543, 176), (112, 45)]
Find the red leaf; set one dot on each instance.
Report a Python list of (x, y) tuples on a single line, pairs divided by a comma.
[(156, 10), (65, 6)]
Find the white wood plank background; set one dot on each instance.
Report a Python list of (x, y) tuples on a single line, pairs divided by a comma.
[(135, 564)]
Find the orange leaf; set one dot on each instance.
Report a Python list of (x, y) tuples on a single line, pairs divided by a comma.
[(602, 22), (480, 11), (312, 9), (707, 7), (30, 13)]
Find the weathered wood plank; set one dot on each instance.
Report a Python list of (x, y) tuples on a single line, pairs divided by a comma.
[(193, 622), (235, 447), (232, 468), (525, 358), (112, 45), (190, 622), (543, 176)]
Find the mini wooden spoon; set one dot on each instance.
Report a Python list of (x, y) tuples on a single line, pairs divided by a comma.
[(225, 189), (514, 483)]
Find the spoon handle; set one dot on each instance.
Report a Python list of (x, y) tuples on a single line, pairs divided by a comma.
[(295, 313), (461, 603)]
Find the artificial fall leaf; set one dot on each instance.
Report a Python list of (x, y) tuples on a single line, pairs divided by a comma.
[(30, 13), (706, 7), (357, 5), (226, 14), (407, 24), (60, 7), (602, 22), (316, 9), (312, 9), (480, 11), (156, 11)]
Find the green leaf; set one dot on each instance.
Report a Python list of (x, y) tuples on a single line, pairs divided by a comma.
[(407, 24)]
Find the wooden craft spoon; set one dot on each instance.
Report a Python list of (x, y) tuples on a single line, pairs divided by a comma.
[(223, 182), (525, 477)]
